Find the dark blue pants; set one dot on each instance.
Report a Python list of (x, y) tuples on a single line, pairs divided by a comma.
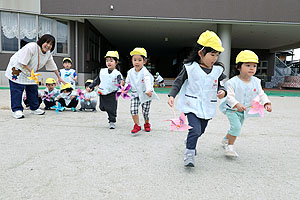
[(16, 93), (198, 129)]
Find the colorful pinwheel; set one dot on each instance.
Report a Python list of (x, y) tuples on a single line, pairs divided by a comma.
[(256, 107), (47, 96), (179, 124), (58, 108), (34, 76), (80, 95), (123, 91)]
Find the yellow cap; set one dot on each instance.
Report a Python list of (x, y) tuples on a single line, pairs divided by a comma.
[(50, 81), (210, 39), (67, 59), (113, 54), (65, 86), (246, 56), (89, 81), (139, 51)]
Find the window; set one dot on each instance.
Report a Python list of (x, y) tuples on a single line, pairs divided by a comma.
[(27, 29), (45, 26), (94, 46), (62, 37), (9, 31)]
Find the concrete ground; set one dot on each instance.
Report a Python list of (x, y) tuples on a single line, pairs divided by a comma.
[(75, 156)]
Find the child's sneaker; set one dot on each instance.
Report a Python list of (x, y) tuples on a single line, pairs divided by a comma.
[(81, 109), (147, 127), (224, 142), (112, 125), (37, 112), (230, 152), (94, 110), (73, 109), (188, 158), (136, 128)]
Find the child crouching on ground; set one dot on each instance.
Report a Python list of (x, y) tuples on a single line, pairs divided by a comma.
[(67, 97), (50, 93), (90, 95)]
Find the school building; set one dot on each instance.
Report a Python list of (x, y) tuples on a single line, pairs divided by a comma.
[(86, 29)]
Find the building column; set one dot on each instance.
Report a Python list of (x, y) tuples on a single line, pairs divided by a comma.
[(224, 32)]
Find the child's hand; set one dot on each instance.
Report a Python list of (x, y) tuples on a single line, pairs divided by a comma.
[(221, 94), (72, 97), (122, 82), (149, 93), (99, 91), (240, 107), (268, 107), (87, 99), (171, 101)]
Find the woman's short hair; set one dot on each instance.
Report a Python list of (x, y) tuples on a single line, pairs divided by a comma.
[(46, 39)]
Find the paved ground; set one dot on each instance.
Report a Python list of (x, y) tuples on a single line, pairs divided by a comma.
[(75, 156)]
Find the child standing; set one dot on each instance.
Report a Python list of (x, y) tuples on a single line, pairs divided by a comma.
[(242, 89), (50, 93), (68, 75), (199, 86), (90, 95), (142, 91), (107, 80), (67, 97)]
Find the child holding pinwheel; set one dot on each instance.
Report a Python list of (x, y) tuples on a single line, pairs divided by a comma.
[(67, 97), (142, 92), (108, 80), (89, 99), (199, 87), (242, 89), (50, 93)]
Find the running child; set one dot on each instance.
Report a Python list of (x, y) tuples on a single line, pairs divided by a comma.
[(242, 89), (142, 91), (199, 87)]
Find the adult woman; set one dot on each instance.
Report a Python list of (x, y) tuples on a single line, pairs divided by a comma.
[(33, 56)]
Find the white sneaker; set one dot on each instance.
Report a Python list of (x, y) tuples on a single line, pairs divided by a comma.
[(112, 125), (37, 112), (18, 114), (230, 152), (224, 142), (188, 159)]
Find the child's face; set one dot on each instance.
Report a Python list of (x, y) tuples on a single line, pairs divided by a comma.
[(67, 65), (46, 47), (50, 86), (110, 63), (88, 89), (208, 59), (66, 91), (248, 69), (138, 62)]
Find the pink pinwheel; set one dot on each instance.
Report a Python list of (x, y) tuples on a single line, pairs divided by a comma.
[(179, 124), (47, 96), (123, 91), (80, 94), (256, 107)]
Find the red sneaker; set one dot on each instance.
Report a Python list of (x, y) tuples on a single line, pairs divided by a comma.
[(136, 128), (147, 127)]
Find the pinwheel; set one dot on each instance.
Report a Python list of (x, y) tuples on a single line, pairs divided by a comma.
[(58, 108), (47, 96), (179, 123), (34, 76), (80, 95), (256, 107), (123, 91)]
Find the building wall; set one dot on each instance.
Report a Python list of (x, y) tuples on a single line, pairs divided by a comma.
[(31, 6), (255, 10)]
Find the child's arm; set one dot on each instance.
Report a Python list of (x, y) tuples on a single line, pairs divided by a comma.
[(232, 102), (148, 85), (95, 82), (182, 76), (221, 89), (265, 100), (75, 76)]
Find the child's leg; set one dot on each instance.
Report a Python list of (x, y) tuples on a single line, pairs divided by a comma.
[(101, 102), (145, 110), (236, 120), (49, 104), (16, 92), (134, 110), (32, 96), (62, 102), (73, 103), (111, 105), (198, 129)]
